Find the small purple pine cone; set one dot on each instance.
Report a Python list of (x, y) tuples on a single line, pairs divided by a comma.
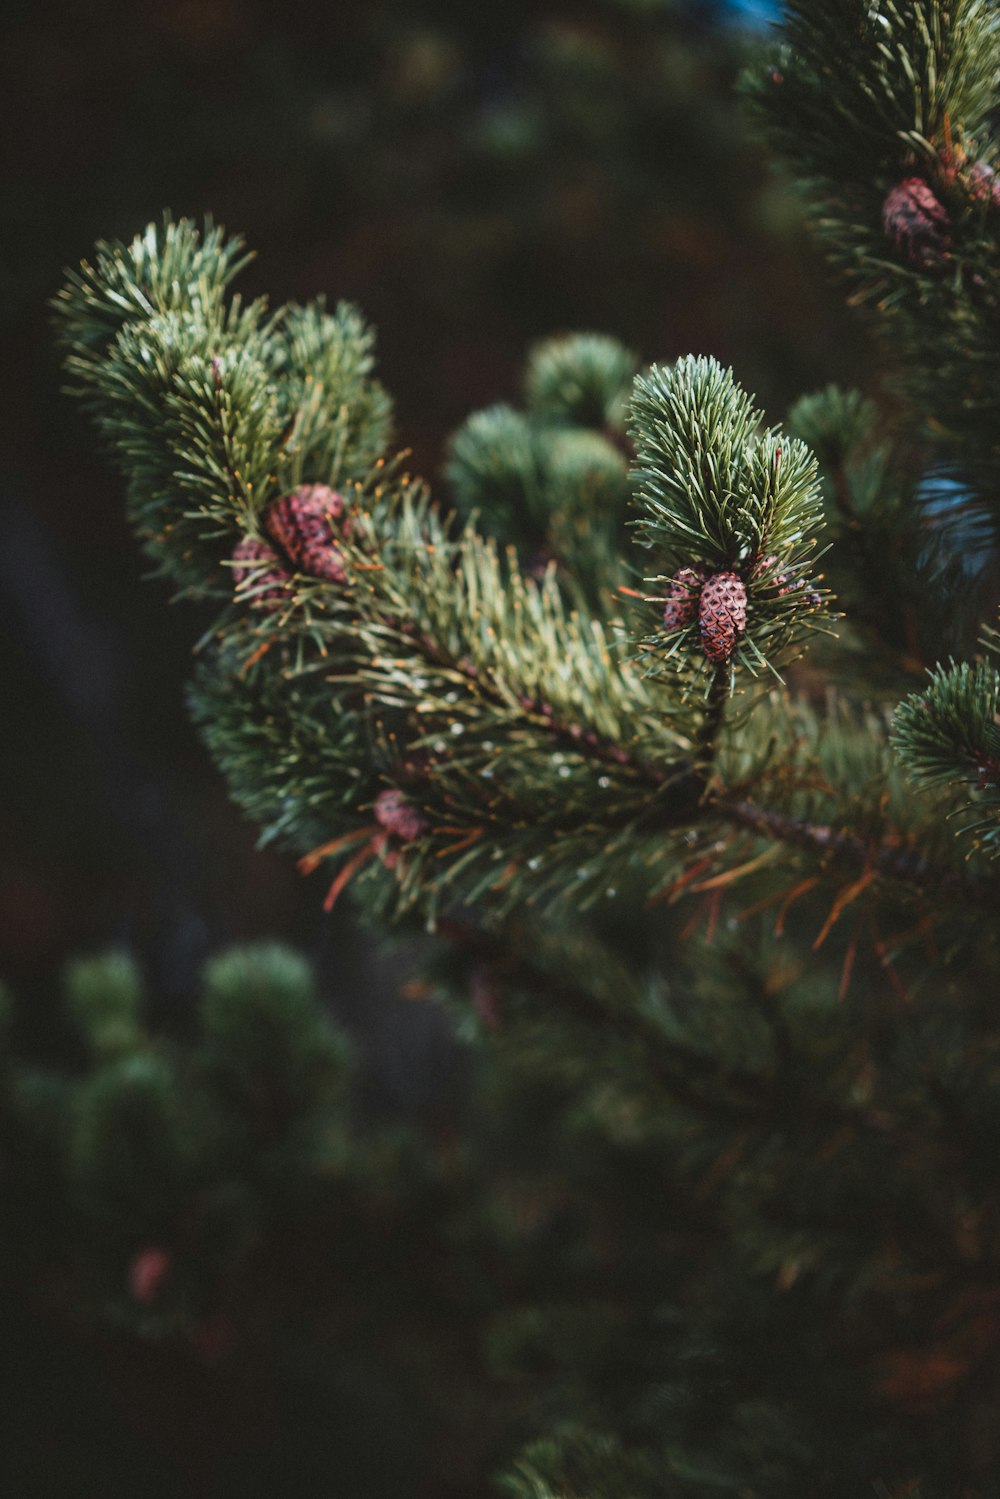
[(916, 222), (985, 183), (680, 607), (722, 615), (396, 813), (771, 564), (303, 525), (258, 575), (782, 580)]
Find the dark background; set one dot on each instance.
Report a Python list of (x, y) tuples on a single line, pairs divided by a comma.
[(474, 177)]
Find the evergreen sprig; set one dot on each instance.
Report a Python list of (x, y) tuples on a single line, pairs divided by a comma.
[(856, 84), (902, 539), (212, 409), (458, 724), (717, 491), (537, 763), (950, 735), (340, 415), (581, 379), (472, 689), (173, 267), (712, 486), (553, 478), (865, 101)]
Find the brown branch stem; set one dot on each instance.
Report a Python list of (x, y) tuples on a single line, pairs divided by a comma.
[(887, 859), (686, 799)]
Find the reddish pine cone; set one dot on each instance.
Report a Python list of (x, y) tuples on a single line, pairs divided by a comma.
[(722, 615), (782, 580), (147, 1273), (302, 525), (396, 813), (258, 574), (985, 183), (772, 564), (916, 222), (681, 606)]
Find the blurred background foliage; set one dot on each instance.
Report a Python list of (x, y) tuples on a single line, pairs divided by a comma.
[(475, 178)]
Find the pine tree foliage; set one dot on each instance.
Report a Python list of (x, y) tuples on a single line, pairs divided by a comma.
[(212, 408), (601, 723), (182, 1151), (861, 100), (490, 699), (719, 493), (950, 735), (464, 741), (581, 379), (480, 692), (577, 1464), (553, 478), (865, 102)]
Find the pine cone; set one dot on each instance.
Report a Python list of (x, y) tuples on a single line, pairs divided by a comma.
[(771, 564), (147, 1272), (916, 223), (782, 580), (722, 615), (984, 183), (260, 579), (681, 606), (396, 813), (302, 525)]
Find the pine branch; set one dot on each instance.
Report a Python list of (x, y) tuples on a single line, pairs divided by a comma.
[(889, 860), (552, 479), (948, 735), (675, 1067), (538, 765), (723, 506), (212, 410), (881, 114)]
